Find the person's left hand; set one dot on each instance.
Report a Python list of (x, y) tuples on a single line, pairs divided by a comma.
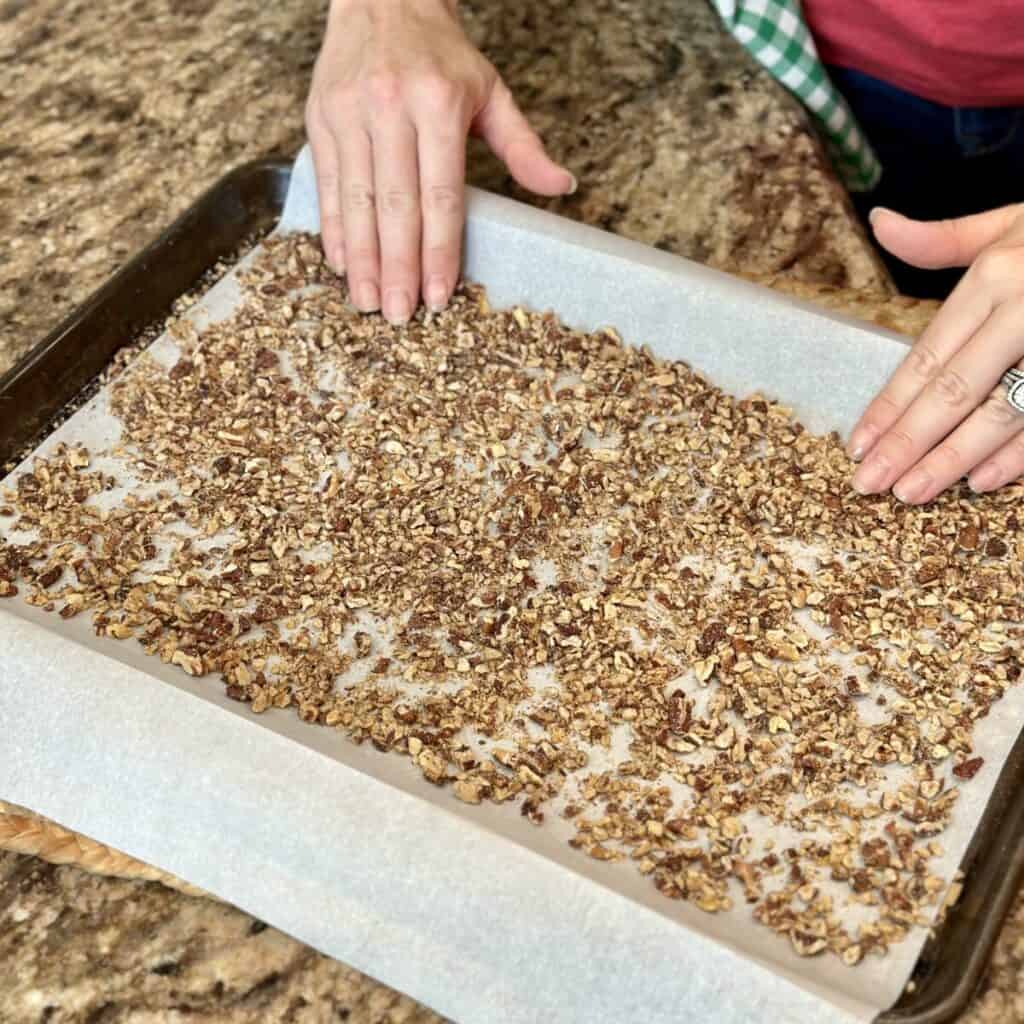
[(943, 414)]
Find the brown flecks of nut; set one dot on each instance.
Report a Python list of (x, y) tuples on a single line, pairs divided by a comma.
[(553, 535), (969, 768), (48, 578), (363, 644), (967, 539), (996, 548)]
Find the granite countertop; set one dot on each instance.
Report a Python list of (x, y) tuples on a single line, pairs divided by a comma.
[(117, 116)]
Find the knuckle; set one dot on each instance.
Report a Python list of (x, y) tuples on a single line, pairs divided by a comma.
[(899, 439), (480, 82), (443, 199), (397, 202), (995, 266), (951, 387), (526, 139), (952, 228), (948, 454), (997, 464), (924, 362), (883, 411), (439, 253), (997, 410), (358, 198), (1015, 446), (449, 133), (328, 182), (440, 93), (384, 88), (336, 97)]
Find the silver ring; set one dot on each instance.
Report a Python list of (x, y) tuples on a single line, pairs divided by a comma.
[(1013, 381)]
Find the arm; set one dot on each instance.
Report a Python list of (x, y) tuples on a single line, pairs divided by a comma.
[(396, 89)]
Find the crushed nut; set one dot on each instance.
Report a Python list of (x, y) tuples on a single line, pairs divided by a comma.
[(598, 585)]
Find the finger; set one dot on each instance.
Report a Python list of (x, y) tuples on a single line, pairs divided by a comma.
[(941, 243), (1007, 463), (963, 313), (505, 129), (441, 135), (946, 401), (396, 177), (359, 218), (989, 428), (328, 187), (995, 425)]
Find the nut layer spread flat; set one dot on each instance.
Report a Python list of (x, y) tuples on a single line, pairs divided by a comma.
[(556, 572)]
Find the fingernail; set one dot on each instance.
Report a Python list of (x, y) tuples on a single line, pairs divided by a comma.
[(984, 479), (860, 442), (875, 210), (914, 487), (873, 476), (436, 293), (367, 297), (573, 185), (397, 306)]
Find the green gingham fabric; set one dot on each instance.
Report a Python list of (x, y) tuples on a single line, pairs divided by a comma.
[(775, 34)]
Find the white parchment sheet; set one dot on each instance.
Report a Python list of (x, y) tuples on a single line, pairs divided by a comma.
[(473, 910)]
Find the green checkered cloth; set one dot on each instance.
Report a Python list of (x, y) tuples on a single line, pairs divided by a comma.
[(775, 34)]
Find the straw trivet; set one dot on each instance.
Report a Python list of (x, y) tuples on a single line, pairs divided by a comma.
[(23, 831)]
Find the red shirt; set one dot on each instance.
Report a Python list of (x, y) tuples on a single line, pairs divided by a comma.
[(961, 53)]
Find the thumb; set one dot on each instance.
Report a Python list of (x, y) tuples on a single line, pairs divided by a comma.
[(504, 128), (941, 243)]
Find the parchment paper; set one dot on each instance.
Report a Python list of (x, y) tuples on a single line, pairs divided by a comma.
[(472, 910)]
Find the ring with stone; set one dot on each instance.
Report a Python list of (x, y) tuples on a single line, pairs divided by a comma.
[(1013, 381)]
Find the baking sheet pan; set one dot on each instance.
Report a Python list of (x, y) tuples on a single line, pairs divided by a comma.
[(635, 959), (244, 203)]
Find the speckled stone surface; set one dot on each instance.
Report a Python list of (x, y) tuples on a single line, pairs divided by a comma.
[(117, 115), (77, 947)]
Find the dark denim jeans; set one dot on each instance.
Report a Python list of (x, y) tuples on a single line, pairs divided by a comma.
[(937, 161)]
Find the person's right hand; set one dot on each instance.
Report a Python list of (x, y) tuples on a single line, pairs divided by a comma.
[(396, 90)]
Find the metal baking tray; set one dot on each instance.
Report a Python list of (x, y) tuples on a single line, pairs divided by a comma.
[(245, 204)]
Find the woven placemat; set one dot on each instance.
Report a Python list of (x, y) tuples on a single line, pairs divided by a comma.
[(23, 831)]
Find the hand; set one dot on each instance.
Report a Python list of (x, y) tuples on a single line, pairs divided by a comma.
[(943, 413), (396, 90)]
